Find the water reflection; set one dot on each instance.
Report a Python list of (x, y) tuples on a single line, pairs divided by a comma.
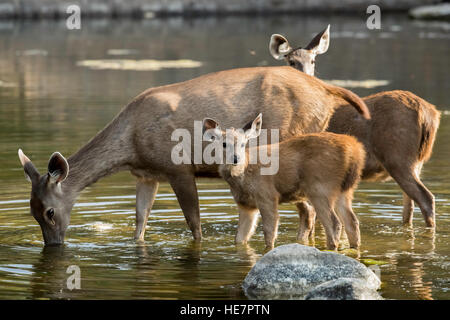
[(49, 279)]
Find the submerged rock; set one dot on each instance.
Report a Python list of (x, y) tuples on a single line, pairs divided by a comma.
[(291, 271), (438, 11), (343, 289)]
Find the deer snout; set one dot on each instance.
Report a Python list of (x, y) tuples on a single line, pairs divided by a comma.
[(235, 159), (52, 238)]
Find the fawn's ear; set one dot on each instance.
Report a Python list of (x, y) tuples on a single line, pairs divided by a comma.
[(253, 129), (279, 46), (211, 130), (31, 172), (58, 168), (320, 43)]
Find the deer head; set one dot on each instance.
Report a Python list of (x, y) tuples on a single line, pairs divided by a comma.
[(302, 59), (49, 204), (233, 140)]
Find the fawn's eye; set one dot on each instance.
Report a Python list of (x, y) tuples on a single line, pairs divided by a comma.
[(291, 63)]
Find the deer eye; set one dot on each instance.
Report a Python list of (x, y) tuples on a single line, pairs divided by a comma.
[(224, 144), (50, 213), (291, 63)]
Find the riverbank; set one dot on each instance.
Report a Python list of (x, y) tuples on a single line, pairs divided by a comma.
[(53, 9)]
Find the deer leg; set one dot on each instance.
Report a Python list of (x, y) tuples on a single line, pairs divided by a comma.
[(145, 196), (408, 209), (270, 217), (307, 217), (349, 219), (329, 220), (248, 218), (408, 179), (186, 191)]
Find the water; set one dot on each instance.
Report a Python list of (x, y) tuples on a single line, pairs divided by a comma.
[(49, 103)]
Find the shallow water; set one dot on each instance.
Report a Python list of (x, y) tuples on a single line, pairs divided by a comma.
[(49, 101)]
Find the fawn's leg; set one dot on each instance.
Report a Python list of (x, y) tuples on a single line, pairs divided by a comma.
[(307, 217), (146, 190), (269, 214), (248, 218), (349, 219), (329, 220)]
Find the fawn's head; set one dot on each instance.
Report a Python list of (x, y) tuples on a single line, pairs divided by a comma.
[(48, 203), (302, 59), (233, 140)]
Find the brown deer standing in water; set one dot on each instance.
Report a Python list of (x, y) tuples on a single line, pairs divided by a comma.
[(322, 167), (139, 139), (398, 139)]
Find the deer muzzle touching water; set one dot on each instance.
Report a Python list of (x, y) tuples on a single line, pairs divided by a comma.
[(323, 168)]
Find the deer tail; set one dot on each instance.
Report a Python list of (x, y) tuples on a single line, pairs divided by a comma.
[(351, 98)]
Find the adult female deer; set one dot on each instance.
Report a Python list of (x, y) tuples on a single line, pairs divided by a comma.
[(398, 139), (322, 167), (139, 138)]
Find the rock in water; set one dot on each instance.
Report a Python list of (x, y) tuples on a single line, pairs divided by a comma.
[(291, 271), (343, 289)]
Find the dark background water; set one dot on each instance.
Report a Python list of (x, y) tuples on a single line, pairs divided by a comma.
[(49, 103)]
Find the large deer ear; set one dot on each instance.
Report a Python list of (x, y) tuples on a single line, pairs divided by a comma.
[(31, 172), (211, 130), (253, 129), (279, 46), (320, 43), (58, 168)]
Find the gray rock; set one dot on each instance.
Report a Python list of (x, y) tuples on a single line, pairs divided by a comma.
[(343, 289), (290, 271)]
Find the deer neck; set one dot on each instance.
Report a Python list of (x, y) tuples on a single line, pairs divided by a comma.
[(108, 152)]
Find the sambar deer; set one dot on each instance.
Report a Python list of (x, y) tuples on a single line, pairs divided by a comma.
[(398, 139), (138, 139), (322, 167)]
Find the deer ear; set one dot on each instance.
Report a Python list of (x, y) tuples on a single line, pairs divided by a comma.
[(253, 129), (211, 130), (58, 168), (279, 46), (31, 172), (320, 43)]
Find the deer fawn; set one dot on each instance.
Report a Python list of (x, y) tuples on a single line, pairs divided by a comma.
[(138, 139), (398, 139), (322, 167)]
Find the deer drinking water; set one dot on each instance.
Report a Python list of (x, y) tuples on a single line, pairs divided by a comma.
[(138, 139), (398, 139), (324, 168)]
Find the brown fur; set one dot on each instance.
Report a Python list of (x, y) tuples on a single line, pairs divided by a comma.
[(138, 139), (311, 166), (399, 140)]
